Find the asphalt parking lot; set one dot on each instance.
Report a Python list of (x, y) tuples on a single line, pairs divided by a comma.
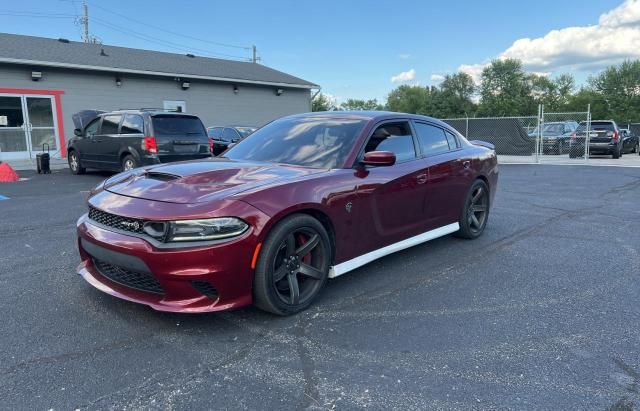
[(540, 313)]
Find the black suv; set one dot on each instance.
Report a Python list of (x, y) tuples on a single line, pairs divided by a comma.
[(125, 139), (604, 138)]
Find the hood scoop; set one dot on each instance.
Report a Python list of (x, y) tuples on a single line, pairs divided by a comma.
[(161, 176)]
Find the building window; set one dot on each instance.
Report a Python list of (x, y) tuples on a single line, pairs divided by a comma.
[(175, 106)]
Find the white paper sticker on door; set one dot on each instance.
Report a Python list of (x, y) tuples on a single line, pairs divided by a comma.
[(4, 121)]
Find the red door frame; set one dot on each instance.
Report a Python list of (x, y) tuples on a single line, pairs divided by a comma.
[(57, 101)]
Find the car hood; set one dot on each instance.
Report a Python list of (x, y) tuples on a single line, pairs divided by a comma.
[(201, 181)]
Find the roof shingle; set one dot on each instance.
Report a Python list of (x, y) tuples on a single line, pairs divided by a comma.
[(28, 49)]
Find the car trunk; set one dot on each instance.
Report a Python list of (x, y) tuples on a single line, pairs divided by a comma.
[(179, 137), (599, 133)]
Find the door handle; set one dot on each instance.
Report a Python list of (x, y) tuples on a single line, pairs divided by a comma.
[(466, 164), (421, 179)]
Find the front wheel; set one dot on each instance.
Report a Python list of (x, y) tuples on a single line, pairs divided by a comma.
[(74, 163), (475, 212), (293, 265)]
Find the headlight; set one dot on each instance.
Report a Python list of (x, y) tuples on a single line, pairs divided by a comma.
[(201, 230)]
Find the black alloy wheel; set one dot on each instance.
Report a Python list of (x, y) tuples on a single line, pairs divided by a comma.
[(475, 214), (293, 265)]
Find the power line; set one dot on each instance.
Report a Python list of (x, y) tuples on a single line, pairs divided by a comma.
[(146, 24), (165, 43), (37, 15)]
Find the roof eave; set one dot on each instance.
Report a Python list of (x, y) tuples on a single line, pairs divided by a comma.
[(153, 73)]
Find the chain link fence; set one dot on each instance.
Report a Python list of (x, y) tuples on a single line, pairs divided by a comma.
[(545, 137), (512, 137)]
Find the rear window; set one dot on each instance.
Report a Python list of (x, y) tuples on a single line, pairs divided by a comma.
[(215, 132), (597, 125), (176, 126)]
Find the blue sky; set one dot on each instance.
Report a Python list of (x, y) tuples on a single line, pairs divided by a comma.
[(354, 48)]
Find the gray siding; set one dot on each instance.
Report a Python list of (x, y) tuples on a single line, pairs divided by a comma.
[(215, 103)]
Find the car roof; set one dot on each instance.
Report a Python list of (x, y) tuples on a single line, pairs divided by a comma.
[(367, 115), (150, 112)]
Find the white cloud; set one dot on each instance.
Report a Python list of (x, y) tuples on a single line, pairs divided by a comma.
[(404, 56), (404, 76), (474, 70), (616, 37), (437, 77)]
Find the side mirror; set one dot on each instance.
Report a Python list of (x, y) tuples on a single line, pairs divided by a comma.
[(379, 158), (77, 132)]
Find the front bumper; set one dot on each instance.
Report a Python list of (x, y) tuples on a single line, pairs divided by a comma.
[(180, 273)]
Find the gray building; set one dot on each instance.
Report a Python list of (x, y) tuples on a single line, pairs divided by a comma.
[(44, 81)]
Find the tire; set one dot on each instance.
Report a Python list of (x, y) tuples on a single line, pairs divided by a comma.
[(305, 270), (74, 163), (636, 148), (560, 148), (128, 162), (475, 213), (617, 153)]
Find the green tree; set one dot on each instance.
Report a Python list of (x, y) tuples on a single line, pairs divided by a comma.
[(505, 89), (619, 88), (354, 104), (587, 96), (455, 96), (553, 93), (409, 99), (322, 103)]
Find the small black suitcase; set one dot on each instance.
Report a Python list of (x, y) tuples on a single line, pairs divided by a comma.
[(42, 161)]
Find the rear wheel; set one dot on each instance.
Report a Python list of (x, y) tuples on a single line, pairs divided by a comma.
[(74, 163), (293, 265), (616, 153), (475, 212), (128, 163)]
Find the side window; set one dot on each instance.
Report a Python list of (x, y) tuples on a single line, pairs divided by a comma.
[(215, 133), (110, 124), (132, 124), (432, 139), (92, 128), (229, 134), (394, 137), (452, 140)]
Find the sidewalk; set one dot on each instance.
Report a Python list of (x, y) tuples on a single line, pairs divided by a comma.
[(30, 164)]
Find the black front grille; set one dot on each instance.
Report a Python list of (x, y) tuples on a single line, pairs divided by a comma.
[(131, 225), (132, 279)]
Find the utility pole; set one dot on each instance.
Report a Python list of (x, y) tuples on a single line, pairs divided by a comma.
[(255, 54), (85, 21)]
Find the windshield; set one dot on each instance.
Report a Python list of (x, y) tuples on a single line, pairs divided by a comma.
[(309, 142), (550, 129), (178, 126), (245, 131)]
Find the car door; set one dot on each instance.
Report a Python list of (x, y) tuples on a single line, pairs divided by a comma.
[(449, 173), (86, 145), (108, 141), (393, 196), (131, 136)]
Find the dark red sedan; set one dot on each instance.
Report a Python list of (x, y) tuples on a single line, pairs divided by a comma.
[(303, 199)]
